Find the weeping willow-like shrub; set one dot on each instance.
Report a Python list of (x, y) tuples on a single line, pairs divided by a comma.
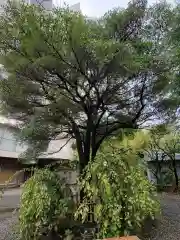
[(122, 195), (45, 201)]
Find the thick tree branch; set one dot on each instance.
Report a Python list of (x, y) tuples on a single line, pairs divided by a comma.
[(141, 100)]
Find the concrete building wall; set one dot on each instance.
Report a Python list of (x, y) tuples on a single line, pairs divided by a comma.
[(47, 4), (2, 4), (11, 147)]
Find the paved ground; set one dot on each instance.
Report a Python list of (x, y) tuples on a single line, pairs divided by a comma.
[(168, 227), (10, 199), (8, 219)]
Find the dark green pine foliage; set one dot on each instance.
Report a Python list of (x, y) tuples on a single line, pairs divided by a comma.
[(84, 78), (175, 42)]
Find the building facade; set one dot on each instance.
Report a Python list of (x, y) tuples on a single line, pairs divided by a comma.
[(12, 169), (47, 4)]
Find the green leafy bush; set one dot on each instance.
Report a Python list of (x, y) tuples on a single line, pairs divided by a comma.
[(45, 201), (122, 195)]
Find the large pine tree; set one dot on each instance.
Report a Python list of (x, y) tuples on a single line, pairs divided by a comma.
[(83, 78)]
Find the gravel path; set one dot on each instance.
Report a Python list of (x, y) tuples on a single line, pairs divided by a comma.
[(7, 223), (168, 227)]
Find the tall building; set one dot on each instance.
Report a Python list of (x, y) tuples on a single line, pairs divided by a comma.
[(75, 7), (47, 4)]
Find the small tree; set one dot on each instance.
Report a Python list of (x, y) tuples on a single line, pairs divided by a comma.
[(171, 146), (163, 147), (68, 76), (153, 152)]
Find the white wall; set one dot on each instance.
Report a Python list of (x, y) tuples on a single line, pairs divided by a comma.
[(8, 143), (2, 4), (10, 147)]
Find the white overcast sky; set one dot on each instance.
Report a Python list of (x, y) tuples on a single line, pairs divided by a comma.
[(96, 8)]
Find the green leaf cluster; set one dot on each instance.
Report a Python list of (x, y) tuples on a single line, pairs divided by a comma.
[(45, 201), (115, 183)]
